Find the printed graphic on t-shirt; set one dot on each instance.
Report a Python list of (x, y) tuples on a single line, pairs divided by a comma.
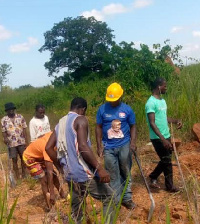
[(115, 130), (122, 115)]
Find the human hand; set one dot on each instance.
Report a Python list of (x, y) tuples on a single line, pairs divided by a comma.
[(167, 144), (133, 147), (179, 124), (103, 175), (100, 151), (6, 141)]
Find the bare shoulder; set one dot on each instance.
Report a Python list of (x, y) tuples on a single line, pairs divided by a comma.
[(81, 121)]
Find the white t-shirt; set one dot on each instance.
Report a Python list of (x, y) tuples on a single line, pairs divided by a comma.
[(38, 127)]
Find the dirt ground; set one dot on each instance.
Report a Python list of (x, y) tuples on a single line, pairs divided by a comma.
[(31, 207)]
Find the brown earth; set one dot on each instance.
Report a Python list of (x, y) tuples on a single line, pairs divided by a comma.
[(31, 206)]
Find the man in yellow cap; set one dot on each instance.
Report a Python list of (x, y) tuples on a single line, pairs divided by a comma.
[(116, 129)]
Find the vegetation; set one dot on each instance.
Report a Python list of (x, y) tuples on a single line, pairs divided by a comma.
[(85, 48), (6, 214), (81, 45), (182, 99), (5, 69)]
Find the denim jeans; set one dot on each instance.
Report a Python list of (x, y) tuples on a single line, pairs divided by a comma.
[(118, 163), (99, 191)]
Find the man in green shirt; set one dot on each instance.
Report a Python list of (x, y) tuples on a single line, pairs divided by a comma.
[(156, 113)]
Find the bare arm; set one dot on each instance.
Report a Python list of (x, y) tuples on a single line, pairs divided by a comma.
[(25, 136), (151, 116), (51, 152), (81, 126), (49, 167), (5, 138), (32, 131), (99, 134), (133, 137), (175, 121)]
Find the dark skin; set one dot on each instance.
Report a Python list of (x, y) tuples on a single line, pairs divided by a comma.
[(81, 127), (11, 115), (40, 113), (49, 181), (99, 133), (151, 116)]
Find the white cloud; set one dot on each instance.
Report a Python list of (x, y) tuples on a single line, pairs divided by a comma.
[(196, 33), (97, 14), (23, 47), (176, 29), (142, 3), (4, 34), (113, 9)]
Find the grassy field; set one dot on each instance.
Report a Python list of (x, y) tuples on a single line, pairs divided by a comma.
[(182, 99)]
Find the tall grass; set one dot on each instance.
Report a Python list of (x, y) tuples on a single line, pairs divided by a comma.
[(6, 214), (183, 100)]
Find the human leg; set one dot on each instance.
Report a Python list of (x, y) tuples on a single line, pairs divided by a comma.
[(112, 166), (78, 195), (13, 155), (125, 164), (20, 150), (45, 190), (56, 183), (105, 194), (164, 165)]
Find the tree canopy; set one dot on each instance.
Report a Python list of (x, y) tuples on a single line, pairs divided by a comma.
[(86, 49), (81, 45)]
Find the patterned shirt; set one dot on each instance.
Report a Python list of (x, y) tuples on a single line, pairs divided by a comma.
[(14, 129)]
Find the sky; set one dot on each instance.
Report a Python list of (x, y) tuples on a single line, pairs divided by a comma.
[(24, 22)]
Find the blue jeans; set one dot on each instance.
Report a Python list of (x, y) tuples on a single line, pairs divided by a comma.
[(118, 163)]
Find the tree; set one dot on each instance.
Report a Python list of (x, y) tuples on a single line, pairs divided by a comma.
[(82, 45), (5, 69)]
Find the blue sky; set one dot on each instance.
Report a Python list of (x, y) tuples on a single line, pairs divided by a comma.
[(23, 23)]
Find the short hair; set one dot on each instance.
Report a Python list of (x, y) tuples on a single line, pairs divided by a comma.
[(38, 106), (157, 82), (78, 102)]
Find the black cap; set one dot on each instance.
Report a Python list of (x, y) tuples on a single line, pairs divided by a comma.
[(9, 106)]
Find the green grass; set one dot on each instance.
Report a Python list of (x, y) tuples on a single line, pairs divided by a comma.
[(183, 100), (6, 214)]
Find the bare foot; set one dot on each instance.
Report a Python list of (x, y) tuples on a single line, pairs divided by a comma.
[(48, 200), (62, 193)]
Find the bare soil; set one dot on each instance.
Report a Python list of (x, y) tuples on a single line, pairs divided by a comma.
[(31, 206)]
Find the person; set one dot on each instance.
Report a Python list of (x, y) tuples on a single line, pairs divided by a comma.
[(156, 113), (83, 173), (40, 167), (117, 147), (39, 124), (13, 127)]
